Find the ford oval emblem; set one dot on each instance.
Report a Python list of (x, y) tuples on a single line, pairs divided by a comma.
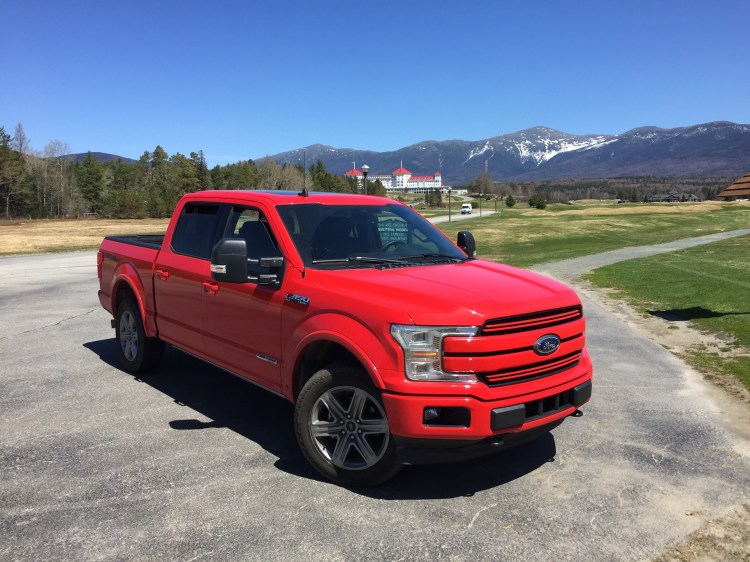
[(547, 345)]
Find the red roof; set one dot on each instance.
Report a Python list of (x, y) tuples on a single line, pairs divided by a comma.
[(353, 172), (401, 170)]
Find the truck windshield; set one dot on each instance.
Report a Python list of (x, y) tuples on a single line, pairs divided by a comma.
[(365, 236)]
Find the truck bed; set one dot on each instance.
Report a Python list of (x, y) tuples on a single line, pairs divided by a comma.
[(152, 241)]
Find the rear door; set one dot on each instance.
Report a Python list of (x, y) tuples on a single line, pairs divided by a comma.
[(181, 270)]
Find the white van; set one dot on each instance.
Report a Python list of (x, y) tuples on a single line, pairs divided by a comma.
[(466, 209)]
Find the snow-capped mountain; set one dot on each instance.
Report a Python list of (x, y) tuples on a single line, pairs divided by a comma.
[(711, 149)]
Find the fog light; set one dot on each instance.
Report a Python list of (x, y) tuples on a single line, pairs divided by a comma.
[(446, 416), (431, 414)]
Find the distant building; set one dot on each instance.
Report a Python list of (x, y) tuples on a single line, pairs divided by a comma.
[(671, 197), (738, 190), (402, 180)]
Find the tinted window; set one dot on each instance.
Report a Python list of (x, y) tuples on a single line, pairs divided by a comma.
[(195, 231), (253, 226), (335, 232)]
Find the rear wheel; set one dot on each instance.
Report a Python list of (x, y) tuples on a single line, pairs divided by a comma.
[(137, 352), (342, 427)]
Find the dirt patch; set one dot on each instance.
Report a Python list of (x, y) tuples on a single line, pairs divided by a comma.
[(726, 538)]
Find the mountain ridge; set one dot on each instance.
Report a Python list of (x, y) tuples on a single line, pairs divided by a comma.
[(713, 149), (718, 148)]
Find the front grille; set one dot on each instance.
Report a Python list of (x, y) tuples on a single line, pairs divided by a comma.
[(533, 321), (532, 371), (503, 352)]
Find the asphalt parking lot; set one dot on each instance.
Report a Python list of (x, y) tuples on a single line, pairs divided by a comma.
[(190, 463)]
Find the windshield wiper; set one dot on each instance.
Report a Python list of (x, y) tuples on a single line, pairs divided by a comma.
[(429, 256), (359, 259)]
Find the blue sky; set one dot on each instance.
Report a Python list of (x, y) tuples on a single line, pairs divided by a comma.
[(242, 79)]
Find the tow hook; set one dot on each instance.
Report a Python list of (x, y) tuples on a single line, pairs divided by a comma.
[(576, 414)]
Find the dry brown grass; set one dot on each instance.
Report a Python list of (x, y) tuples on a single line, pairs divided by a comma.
[(655, 209), (32, 237)]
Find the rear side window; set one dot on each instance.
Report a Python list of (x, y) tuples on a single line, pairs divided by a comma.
[(195, 231)]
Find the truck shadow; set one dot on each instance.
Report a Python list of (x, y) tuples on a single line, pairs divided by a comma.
[(267, 420), (692, 313)]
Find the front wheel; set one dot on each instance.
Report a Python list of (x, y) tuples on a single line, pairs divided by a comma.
[(342, 427), (137, 352)]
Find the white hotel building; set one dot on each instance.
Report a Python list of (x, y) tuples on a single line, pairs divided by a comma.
[(401, 180)]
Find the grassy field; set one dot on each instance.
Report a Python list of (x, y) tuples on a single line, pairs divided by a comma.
[(522, 236), (707, 285), (41, 236)]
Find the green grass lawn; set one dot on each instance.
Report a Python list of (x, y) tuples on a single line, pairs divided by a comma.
[(707, 285), (522, 236)]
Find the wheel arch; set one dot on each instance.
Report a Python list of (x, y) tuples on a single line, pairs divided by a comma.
[(127, 284), (351, 342), (318, 355)]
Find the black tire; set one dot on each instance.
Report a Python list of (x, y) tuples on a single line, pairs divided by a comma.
[(137, 352), (342, 427)]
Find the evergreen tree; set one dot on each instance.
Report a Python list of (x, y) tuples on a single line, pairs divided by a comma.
[(376, 188), (537, 201), (15, 188), (161, 193), (185, 174), (201, 170), (122, 196), (241, 175), (434, 198), (510, 201), (90, 179)]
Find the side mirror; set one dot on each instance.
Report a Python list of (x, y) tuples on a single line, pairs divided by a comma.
[(229, 261), (230, 264), (465, 241)]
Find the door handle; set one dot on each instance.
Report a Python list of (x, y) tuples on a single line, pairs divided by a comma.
[(211, 288), (163, 274)]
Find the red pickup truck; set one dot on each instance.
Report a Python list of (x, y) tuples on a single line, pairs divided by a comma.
[(395, 345)]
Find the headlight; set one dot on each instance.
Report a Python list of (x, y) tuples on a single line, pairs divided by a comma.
[(423, 346)]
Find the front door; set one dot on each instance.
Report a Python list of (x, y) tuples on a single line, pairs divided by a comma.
[(242, 322)]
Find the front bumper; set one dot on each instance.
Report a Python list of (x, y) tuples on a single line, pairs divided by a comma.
[(434, 451), (429, 428)]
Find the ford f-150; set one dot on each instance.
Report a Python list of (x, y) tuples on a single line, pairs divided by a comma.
[(395, 345)]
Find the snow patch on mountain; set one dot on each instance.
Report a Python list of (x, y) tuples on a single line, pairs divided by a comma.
[(481, 150), (544, 149)]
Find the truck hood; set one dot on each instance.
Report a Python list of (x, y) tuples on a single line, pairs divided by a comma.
[(465, 294)]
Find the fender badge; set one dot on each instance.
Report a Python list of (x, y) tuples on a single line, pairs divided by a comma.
[(297, 299)]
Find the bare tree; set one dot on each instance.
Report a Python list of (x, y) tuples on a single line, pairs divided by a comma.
[(269, 174), (56, 177), (21, 142)]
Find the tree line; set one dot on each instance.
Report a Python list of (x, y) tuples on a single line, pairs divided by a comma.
[(51, 184), (634, 189)]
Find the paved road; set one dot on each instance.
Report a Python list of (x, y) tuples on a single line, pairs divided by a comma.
[(190, 463), (457, 216), (570, 268)]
